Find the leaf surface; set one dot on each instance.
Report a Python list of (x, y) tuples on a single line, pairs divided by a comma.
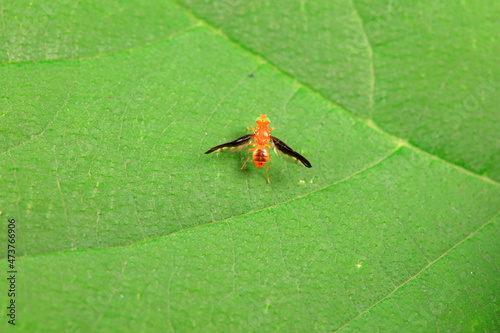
[(124, 224)]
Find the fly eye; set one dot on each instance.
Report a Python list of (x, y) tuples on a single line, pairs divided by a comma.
[(259, 119)]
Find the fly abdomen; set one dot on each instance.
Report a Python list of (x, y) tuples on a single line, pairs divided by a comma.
[(260, 157)]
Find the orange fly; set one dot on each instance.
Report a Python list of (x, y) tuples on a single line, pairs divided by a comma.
[(261, 139)]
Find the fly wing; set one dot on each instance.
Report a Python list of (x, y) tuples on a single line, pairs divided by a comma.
[(288, 154), (230, 147)]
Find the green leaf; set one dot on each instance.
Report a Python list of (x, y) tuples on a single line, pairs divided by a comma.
[(123, 224)]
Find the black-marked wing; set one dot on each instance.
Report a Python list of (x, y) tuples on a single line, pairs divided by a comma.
[(287, 153), (230, 147)]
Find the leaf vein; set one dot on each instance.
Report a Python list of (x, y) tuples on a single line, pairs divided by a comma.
[(370, 58), (62, 199), (51, 121), (115, 287), (105, 54), (418, 273)]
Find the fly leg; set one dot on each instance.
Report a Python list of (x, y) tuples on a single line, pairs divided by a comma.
[(251, 128), (247, 157), (267, 170)]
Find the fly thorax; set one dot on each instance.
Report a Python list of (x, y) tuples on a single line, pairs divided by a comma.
[(261, 137)]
